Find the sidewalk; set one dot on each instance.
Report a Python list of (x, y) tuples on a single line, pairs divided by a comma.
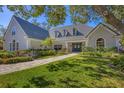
[(8, 68)]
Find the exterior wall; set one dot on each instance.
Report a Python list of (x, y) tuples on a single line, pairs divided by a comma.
[(67, 44), (35, 44), (101, 32), (19, 36), (66, 41)]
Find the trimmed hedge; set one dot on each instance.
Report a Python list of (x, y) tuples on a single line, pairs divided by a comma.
[(1, 61), (91, 54), (16, 60), (7, 54), (41, 53), (90, 49)]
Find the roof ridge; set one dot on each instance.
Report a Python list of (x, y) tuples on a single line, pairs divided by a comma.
[(72, 25), (26, 21)]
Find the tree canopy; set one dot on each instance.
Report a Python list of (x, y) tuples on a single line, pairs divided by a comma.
[(47, 42), (56, 14)]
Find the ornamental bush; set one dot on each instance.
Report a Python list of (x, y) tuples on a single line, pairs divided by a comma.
[(118, 63), (1, 61), (41, 53), (16, 60), (88, 49), (7, 54), (91, 54)]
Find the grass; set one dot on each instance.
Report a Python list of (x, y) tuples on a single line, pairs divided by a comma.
[(75, 72)]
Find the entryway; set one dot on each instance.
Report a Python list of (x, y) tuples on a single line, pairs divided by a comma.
[(76, 47)]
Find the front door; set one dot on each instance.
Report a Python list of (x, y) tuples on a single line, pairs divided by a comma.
[(76, 47)]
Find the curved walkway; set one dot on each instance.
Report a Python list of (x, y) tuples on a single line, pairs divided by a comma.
[(8, 68)]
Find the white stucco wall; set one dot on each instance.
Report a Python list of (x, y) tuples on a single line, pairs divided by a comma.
[(102, 32), (19, 36), (35, 44)]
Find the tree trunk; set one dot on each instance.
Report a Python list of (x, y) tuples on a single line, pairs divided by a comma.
[(110, 18)]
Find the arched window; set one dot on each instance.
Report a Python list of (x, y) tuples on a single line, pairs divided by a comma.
[(100, 43)]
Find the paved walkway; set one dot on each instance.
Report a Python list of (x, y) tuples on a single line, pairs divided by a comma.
[(8, 68)]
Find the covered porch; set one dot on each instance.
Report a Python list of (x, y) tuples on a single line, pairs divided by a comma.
[(75, 46)]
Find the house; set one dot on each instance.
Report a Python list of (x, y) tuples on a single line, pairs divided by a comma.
[(22, 35), (73, 38)]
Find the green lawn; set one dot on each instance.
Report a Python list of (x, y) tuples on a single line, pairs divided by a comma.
[(78, 71)]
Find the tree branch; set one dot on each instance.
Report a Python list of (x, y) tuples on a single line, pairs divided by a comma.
[(110, 18)]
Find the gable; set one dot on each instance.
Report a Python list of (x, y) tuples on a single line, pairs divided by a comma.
[(111, 30), (12, 26), (32, 31)]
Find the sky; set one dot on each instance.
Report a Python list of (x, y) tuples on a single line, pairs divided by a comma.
[(6, 16)]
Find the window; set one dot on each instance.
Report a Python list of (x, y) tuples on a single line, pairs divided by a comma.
[(100, 43), (57, 47), (74, 32), (13, 31), (17, 46), (10, 46), (66, 33), (57, 34), (13, 45)]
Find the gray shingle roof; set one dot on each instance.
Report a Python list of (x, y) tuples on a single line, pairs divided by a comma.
[(82, 29), (32, 30)]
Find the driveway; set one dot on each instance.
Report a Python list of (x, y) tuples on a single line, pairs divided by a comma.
[(8, 68)]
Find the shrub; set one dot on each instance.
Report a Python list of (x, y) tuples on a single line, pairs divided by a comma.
[(1, 61), (88, 49), (92, 54), (110, 55), (44, 53), (53, 67), (7, 54), (17, 59), (23, 52), (101, 49), (107, 54), (118, 63), (113, 49), (2, 51)]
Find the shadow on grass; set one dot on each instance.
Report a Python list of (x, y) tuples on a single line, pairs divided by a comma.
[(71, 83), (63, 65), (9, 85), (39, 82)]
